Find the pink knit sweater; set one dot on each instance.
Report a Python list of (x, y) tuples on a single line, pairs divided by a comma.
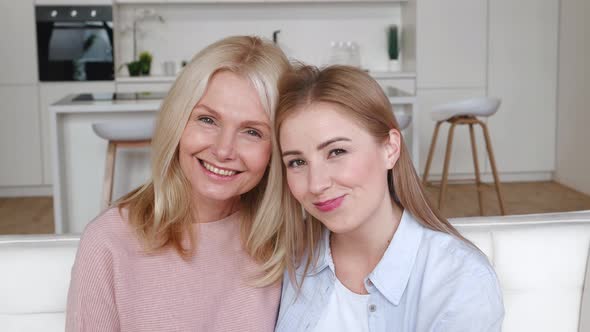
[(116, 286)]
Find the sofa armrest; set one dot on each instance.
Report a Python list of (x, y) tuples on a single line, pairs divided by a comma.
[(585, 308)]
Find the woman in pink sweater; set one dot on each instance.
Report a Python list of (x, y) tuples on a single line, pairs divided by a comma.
[(193, 249)]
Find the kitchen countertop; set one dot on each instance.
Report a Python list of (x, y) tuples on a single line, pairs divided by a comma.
[(398, 97), (147, 101), (378, 75), (69, 105)]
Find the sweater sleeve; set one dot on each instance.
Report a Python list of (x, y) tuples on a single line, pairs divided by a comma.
[(91, 298)]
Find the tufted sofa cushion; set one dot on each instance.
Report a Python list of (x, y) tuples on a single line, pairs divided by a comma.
[(541, 261), (34, 279)]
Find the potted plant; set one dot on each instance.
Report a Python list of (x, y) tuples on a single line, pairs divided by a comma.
[(141, 66), (134, 68), (393, 48), (145, 60)]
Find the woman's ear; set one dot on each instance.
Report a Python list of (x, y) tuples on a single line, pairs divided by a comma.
[(392, 148)]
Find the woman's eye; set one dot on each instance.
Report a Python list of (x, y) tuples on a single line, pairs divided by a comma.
[(253, 132), (336, 152), (295, 163), (206, 119)]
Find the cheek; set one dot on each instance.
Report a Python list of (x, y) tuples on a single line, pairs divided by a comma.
[(185, 149), (360, 171), (191, 141), (297, 185), (256, 156)]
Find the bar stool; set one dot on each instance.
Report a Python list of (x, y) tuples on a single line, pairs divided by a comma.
[(465, 113), (403, 119), (119, 134)]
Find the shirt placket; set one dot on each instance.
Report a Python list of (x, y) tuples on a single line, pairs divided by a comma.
[(375, 308), (322, 292)]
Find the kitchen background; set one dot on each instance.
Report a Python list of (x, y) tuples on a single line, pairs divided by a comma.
[(306, 30), (530, 53)]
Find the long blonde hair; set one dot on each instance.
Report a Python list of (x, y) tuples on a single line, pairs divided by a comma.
[(161, 210), (361, 98)]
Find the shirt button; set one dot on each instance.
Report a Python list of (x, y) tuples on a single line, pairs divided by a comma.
[(372, 308)]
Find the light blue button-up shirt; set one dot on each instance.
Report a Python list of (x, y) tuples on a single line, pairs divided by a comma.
[(426, 281)]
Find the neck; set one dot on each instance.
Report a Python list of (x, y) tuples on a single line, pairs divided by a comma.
[(369, 242), (207, 210)]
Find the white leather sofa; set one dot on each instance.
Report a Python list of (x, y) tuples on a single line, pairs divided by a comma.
[(541, 261)]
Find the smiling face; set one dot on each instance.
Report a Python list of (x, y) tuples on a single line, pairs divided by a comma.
[(335, 168), (225, 147)]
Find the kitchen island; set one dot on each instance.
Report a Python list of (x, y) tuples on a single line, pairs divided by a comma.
[(78, 154)]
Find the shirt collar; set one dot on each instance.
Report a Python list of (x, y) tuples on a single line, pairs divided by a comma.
[(392, 273), (324, 256)]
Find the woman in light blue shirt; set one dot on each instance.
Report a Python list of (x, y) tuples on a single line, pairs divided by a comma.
[(369, 253)]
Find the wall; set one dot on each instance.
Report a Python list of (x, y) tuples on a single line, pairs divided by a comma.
[(573, 115), (306, 30)]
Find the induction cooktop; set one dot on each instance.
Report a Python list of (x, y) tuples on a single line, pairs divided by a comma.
[(119, 96)]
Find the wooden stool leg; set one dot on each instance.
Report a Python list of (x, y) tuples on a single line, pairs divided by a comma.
[(476, 166), (107, 191), (443, 187), (431, 153), (493, 164)]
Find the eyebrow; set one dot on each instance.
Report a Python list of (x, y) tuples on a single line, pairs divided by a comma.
[(248, 123), (319, 147)]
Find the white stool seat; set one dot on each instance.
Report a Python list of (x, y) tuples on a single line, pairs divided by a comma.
[(125, 130), (403, 119), (121, 133), (482, 107)]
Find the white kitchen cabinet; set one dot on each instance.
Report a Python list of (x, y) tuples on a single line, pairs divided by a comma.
[(140, 1), (461, 165), (19, 42), (309, 1), (523, 72), (74, 2), (20, 148), (49, 93), (245, 1), (451, 43)]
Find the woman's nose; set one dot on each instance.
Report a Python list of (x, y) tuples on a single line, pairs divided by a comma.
[(318, 179), (224, 147)]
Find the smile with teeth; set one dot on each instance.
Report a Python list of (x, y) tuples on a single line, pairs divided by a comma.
[(218, 171)]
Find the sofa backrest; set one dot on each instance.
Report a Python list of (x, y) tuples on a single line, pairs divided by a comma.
[(541, 262), (34, 278)]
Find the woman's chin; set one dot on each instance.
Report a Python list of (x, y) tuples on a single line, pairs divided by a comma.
[(216, 197)]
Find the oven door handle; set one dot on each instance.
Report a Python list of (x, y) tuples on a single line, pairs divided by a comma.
[(80, 25)]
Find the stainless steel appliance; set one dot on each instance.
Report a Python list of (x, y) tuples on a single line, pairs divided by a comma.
[(75, 43)]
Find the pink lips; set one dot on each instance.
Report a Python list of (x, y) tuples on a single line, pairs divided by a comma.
[(329, 205)]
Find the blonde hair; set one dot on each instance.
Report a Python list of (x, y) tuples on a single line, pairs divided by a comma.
[(161, 210), (361, 98)]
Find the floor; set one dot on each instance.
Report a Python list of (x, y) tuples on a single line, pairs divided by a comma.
[(32, 215), (519, 198)]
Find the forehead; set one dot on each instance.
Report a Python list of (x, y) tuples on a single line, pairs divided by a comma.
[(318, 122), (232, 95)]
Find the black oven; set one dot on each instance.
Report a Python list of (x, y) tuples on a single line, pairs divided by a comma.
[(75, 43)]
